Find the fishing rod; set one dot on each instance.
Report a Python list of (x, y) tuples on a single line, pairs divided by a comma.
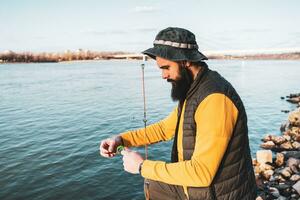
[(144, 100), (121, 147), (147, 194)]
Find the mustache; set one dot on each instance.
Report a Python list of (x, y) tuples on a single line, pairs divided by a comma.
[(171, 80)]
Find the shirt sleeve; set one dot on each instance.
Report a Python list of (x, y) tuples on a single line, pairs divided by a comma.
[(215, 120), (161, 131)]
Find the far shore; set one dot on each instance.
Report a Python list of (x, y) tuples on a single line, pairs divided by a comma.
[(86, 55)]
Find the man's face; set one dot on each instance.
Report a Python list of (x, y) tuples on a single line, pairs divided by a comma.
[(177, 74)]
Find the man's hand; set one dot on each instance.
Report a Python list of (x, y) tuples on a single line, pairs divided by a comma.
[(108, 146), (131, 161)]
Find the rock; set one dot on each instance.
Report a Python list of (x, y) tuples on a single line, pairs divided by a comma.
[(272, 179), (295, 177), (267, 138), (268, 145), (283, 127), (286, 172), (265, 166), (294, 197), (274, 191), (294, 118), (297, 187), (264, 156), (254, 162), (287, 137), (285, 111), (281, 198), (286, 146), (294, 170), (257, 169), (278, 139), (294, 131), (267, 174), (297, 138), (293, 95), (292, 162), (296, 145), (279, 159), (279, 178), (289, 154), (293, 100), (282, 186)]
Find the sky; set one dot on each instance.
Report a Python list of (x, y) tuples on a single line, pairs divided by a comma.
[(131, 25)]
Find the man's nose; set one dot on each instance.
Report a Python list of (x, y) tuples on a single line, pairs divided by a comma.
[(165, 75)]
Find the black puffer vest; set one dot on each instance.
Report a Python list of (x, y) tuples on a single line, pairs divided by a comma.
[(235, 178)]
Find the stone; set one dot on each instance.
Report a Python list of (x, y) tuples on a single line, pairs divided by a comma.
[(274, 191), (283, 127), (294, 118), (294, 131), (281, 198), (254, 162), (297, 187), (297, 138), (278, 139), (267, 138), (265, 166), (264, 156), (293, 95), (292, 162), (295, 177), (295, 196), (291, 154), (287, 137), (286, 146), (272, 179), (282, 186), (268, 145), (294, 169), (293, 100), (267, 174), (257, 169), (286, 172), (279, 159), (279, 178), (296, 145)]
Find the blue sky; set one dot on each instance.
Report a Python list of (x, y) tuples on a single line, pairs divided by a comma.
[(52, 25)]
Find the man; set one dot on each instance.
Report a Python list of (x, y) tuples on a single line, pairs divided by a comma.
[(210, 155)]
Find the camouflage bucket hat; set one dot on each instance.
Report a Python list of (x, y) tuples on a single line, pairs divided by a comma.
[(176, 44)]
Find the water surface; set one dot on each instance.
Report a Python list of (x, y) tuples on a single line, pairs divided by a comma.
[(53, 116)]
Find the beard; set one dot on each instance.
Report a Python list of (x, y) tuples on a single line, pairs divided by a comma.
[(181, 86)]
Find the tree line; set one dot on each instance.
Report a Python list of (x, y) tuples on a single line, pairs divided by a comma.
[(10, 56)]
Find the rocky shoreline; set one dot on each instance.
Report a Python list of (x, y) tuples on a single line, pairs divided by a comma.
[(277, 167)]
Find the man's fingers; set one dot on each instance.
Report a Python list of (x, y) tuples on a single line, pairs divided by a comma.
[(125, 151), (111, 146), (106, 155)]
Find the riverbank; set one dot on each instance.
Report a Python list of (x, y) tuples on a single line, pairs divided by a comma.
[(277, 167), (82, 55)]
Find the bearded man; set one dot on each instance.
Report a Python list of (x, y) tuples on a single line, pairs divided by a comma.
[(210, 157)]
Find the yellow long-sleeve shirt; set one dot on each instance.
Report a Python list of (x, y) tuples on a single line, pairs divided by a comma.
[(215, 119)]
